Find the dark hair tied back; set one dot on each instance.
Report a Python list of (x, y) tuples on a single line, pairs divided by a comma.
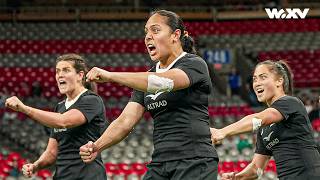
[(174, 21), (281, 69)]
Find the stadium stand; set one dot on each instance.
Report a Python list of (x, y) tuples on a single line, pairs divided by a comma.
[(28, 51)]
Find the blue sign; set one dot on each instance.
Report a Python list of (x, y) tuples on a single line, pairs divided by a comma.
[(217, 56)]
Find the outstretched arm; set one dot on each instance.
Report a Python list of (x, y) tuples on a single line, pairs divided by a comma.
[(246, 124), (140, 80), (71, 118)]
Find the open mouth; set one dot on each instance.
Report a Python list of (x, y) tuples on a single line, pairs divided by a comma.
[(62, 82), (151, 49), (259, 91)]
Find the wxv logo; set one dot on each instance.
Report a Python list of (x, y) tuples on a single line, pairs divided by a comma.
[(288, 13)]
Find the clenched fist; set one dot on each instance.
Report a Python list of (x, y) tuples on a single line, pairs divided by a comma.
[(88, 152), (228, 176), (98, 75), (14, 103), (28, 170), (217, 135)]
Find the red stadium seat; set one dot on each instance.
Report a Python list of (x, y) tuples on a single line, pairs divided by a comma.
[(44, 174), (14, 156), (112, 169), (227, 167), (240, 165), (3, 175), (139, 168), (271, 166), (46, 77), (21, 162), (316, 124), (125, 169), (305, 65), (5, 167)]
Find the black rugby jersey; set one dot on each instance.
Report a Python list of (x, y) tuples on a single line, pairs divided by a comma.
[(69, 165), (181, 119), (290, 141)]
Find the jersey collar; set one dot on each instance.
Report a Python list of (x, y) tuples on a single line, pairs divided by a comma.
[(159, 70), (70, 103)]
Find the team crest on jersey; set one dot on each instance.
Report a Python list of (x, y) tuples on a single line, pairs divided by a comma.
[(269, 138), (154, 96), (156, 104)]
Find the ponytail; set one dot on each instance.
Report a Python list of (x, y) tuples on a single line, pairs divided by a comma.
[(187, 43), (288, 82)]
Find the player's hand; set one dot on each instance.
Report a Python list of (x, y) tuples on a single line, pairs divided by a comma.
[(28, 170), (88, 152), (14, 103), (217, 135), (228, 176), (98, 75)]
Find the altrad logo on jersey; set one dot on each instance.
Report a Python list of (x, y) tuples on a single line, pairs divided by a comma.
[(156, 104), (272, 143), (268, 138)]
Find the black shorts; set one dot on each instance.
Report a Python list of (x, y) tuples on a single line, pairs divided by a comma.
[(185, 169)]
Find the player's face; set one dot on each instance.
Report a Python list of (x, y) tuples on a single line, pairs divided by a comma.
[(265, 84), (66, 76), (158, 38)]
